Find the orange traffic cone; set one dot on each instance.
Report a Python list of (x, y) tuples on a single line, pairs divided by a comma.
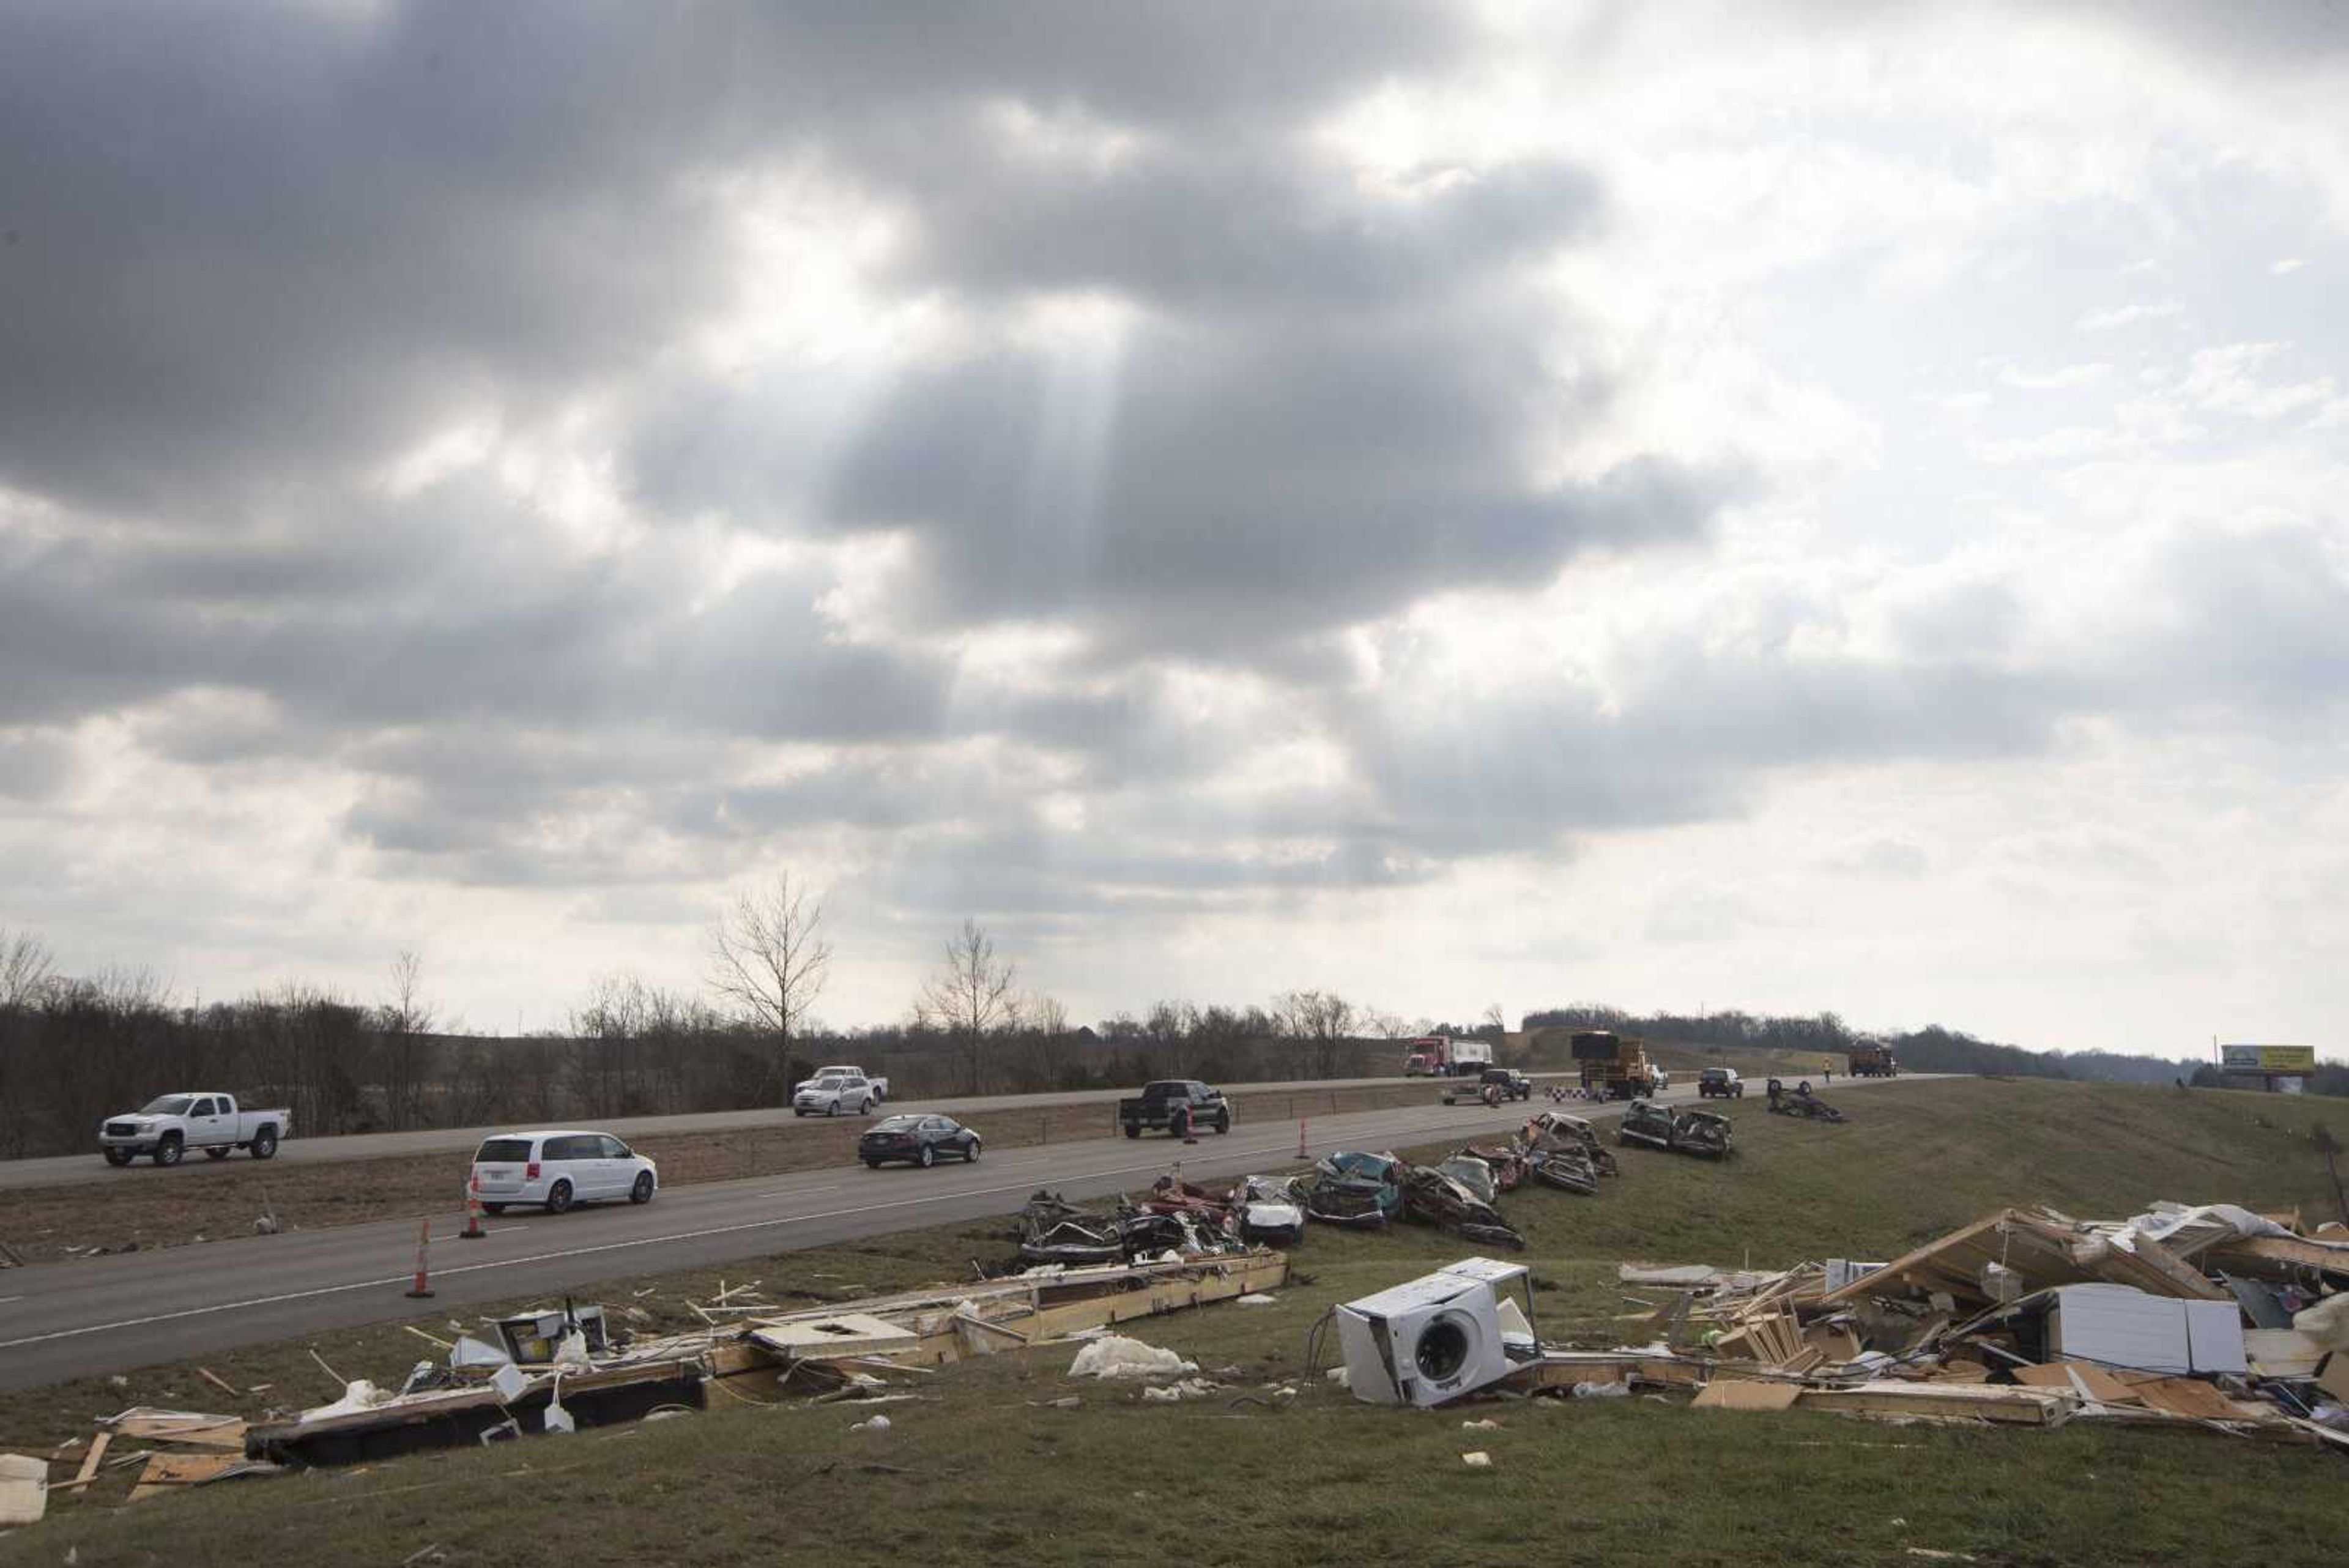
[(472, 1230), (1300, 1138), (423, 1285)]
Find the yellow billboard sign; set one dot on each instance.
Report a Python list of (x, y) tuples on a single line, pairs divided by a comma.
[(2268, 1058)]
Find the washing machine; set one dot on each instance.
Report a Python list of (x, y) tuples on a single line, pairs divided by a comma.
[(1433, 1338)]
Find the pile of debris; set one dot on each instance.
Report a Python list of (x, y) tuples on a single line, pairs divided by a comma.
[(1371, 1189), (561, 1368), (2212, 1317)]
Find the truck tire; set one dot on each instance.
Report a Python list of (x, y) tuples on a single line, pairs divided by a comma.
[(1132, 1129), (218, 1150), (264, 1143), (168, 1152), (119, 1156), (558, 1197)]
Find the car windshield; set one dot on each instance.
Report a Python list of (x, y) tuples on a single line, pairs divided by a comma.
[(503, 1151), (169, 1106), (897, 1124)]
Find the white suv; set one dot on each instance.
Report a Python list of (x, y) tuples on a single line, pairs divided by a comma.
[(558, 1169)]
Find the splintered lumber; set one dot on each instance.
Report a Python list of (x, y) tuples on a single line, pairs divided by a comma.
[(2045, 1251), (164, 1471), (179, 1427), (2272, 1256), (1968, 1401), (1565, 1368)]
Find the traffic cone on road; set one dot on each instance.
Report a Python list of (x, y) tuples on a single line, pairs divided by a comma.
[(1300, 1138), (472, 1230), (423, 1285)]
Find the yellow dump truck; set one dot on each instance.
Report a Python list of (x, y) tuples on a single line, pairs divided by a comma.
[(1873, 1059), (1616, 1067)]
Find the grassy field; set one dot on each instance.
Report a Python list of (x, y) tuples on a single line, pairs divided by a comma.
[(981, 1468), (142, 1207)]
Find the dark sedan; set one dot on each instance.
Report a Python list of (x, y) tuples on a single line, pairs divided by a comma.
[(918, 1140)]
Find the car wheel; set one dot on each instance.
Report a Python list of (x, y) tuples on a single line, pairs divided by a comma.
[(120, 1156), (168, 1152), (264, 1143), (493, 1210), (216, 1151), (797, 1112), (642, 1192), (867, 1109), (872, 1164), (927, 1158), (558, 1197), (970, 1153), (1131, 1130), (1224, 1124), (835, 1111)]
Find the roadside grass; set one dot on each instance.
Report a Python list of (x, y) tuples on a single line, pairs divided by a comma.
[(142, 1207), (979, 1469)]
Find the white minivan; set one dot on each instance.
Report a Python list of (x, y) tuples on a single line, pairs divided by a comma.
[(558, 1169)]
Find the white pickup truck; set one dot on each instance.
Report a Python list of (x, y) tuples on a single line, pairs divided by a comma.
[(836, 1089), (169, 1127)]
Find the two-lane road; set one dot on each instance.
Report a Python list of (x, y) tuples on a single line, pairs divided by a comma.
[(104, 1314)]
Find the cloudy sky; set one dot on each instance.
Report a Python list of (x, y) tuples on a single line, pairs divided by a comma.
[(1797, 508)]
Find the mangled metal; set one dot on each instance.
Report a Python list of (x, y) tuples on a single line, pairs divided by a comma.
[(1647, 1123), (1268, 1211), (1800, 1102), (1434, 1198), (1564, 1152), (1351, 1189)]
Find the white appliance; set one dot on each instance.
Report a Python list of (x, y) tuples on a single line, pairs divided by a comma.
[(1435, 1338)]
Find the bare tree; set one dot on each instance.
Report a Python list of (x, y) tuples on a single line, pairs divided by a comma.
[(970, 998), (1495, 1022), (404, 1020), (769, 958), (1048, 1042), (1319, 1024), (25, 969)]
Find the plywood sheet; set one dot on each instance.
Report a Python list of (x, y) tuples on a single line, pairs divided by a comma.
[(1744, 1394)]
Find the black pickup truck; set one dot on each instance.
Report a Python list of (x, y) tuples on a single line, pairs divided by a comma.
[(1157, 1105)]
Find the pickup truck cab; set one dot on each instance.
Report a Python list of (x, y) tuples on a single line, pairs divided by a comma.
[(825, 1075), (1157, 1104), (828, 1096), (170, 1125)]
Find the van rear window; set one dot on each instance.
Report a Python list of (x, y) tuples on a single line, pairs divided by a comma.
[(503, 1151)]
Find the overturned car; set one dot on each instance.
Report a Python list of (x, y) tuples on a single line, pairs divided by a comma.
[(1802, 1102)]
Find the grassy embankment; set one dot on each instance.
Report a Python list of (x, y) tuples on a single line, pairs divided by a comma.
[(145, 1206), (980, 1469)]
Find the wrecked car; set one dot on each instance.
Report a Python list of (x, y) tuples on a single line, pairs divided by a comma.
[(1704, 1133), (1507, 1160), (1434, 1198), (1170, 1195), (1350, 1188), (1554, 1131), (1267, 1212), (1646, 1124), (1801, 1103), (1473, 1174), (1054, 1230)]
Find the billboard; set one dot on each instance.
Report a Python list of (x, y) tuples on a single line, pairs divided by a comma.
[(2268, 1058)]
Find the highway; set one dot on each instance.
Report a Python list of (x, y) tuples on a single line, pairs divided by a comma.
[(56, 1170), (103, 1314)]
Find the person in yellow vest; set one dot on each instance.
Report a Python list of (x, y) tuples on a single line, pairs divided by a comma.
[(1827, 1066)]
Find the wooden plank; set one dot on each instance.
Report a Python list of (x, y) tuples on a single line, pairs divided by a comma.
[(2187, 1396), (1742, 1394), (2086, 1378), (89, 1462), (1883, 1279), (1985, 1402)]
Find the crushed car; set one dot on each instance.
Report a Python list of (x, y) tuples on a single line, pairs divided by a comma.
[(1473, 1174), (1507, 1160), (1704, 1133), (1351, 1189), (1802, 1102), (1267, 1212), (1433, 1197), (1647, 1123)]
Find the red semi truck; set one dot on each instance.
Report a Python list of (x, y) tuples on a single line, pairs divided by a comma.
[(1443, 1056)]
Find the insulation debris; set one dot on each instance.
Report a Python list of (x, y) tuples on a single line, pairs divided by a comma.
[(1117, 1356)]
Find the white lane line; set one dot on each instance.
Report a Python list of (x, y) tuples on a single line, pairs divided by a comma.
[(603, 1247), (5, 1300)]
